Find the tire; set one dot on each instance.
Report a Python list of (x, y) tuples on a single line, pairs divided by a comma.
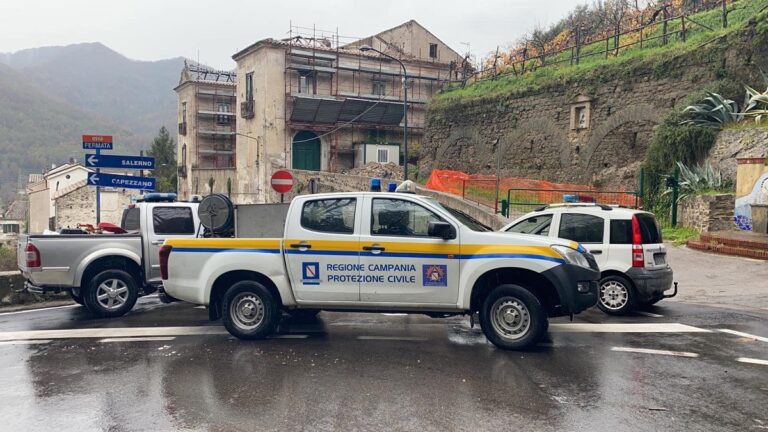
[(512, 317), (303, 314), (111, 293), (77, 298), (616, 296), (249, 310)]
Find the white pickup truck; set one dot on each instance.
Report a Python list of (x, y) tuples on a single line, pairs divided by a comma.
[(375, 252)]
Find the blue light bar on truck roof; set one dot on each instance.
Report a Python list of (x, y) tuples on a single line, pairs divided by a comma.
[(158, 197)]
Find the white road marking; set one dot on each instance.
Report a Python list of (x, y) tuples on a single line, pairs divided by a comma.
[(200, 307), (394, 338), (288, 336), (626, 328), (138, 339), (102, 333), (394, 314), (649, 314), (753, 361), (38, 310), (25, 342), (654, 351), (746, 335)]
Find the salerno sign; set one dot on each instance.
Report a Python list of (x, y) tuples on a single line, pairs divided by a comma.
[(114, 161)]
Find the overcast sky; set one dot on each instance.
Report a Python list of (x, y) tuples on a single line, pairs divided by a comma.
[(157, 29)]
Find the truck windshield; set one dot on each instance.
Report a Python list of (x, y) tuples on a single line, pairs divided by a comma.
[(462, 217)]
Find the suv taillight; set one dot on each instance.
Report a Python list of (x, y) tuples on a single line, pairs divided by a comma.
[(33, 256), (638, 257), (165, 252)]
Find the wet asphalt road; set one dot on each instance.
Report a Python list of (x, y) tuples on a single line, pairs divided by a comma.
[(382, 372)]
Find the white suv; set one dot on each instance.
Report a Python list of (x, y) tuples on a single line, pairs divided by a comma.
[(625, 243)]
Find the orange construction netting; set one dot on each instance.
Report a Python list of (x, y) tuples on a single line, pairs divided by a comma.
[(482, 189)]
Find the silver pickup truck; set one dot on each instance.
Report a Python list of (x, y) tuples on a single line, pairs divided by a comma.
[(107, 273)]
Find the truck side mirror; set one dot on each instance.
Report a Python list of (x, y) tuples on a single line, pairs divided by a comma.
[(441, 229)]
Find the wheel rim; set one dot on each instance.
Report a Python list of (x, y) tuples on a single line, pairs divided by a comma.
[(510, 318), (247, 311), (112, 294), (613, 295)]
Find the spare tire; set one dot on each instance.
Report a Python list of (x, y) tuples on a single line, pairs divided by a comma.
[(217, 213)]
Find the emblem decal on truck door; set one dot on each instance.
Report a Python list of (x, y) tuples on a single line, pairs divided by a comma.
[(310, 273), (434, 275)]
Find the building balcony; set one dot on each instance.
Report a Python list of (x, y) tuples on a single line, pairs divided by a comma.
[(246, 109), (183, 128)]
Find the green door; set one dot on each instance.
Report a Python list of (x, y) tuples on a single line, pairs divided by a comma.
[(306, 151)]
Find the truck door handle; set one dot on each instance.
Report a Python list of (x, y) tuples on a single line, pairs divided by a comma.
[(596, 252), (158, 242), (302, 245), (375, 248)]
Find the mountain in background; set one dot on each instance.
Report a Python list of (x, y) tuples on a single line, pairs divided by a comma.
[(50, 96)]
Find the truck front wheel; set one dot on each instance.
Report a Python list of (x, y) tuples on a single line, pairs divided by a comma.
[(249, 310), (111, 293), (512, 317)]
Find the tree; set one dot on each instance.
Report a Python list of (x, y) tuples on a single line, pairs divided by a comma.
[(164, 151)]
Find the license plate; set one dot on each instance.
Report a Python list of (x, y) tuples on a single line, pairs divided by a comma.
[(660, 259)]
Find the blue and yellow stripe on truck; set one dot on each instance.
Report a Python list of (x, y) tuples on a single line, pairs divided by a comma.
[(214, 245), (351, 248)]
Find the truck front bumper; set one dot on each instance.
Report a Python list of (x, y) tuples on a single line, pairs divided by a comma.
[(651, 284), (576, 286)]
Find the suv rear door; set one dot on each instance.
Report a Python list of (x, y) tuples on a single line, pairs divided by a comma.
[(587, 229)]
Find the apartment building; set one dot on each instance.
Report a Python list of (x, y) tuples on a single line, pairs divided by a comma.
[(206, 134), (313, 101)]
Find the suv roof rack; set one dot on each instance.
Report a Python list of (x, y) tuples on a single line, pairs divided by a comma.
[(559, 205)]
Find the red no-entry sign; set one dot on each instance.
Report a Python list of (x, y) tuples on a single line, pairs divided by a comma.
[(282, 181)]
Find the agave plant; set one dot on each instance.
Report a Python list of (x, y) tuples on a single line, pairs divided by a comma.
[(714, 111), (700, 179), (757, 104)]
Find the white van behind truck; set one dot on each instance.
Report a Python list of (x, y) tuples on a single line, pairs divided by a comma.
[(383, 252), (626, 244)]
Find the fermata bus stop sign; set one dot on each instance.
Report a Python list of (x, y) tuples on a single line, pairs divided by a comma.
[(97, 142)]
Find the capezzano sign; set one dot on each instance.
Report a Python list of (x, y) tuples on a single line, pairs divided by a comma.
[(121, 181)]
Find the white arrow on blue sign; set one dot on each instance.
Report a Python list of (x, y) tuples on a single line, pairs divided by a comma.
[(117, 161), (121, 181)]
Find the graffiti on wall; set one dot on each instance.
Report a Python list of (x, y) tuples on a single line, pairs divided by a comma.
[(759, 195)]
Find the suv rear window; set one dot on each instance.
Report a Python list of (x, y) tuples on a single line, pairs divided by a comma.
[(649, 229), (582, 228), (621, 231)]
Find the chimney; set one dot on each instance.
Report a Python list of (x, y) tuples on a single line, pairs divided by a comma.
[(72, 161)]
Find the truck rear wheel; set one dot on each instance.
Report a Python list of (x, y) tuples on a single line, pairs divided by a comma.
[(111, 293), (512, 317), (249, 310)]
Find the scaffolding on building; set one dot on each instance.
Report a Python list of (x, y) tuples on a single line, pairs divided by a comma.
[(327, 106)]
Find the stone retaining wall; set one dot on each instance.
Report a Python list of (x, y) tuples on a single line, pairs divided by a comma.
[(707, 213), (11, 282)]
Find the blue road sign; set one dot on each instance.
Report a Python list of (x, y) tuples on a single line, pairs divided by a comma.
[(116, 161), (121, 181)]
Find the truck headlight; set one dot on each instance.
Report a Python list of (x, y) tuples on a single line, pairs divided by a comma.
[(571, 256)]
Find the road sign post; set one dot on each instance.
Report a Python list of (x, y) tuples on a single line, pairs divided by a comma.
[(282, 182)]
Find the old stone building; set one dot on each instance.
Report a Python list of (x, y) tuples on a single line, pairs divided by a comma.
[(206, 134), (76, 204), (311, 102)]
